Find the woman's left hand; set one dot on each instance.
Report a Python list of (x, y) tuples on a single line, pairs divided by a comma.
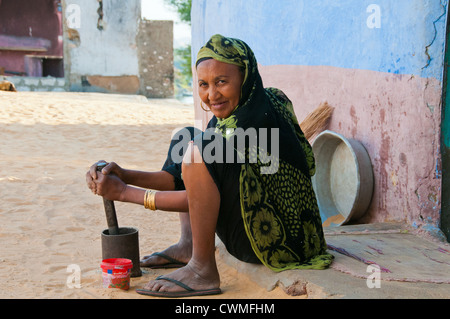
[(110, 186)]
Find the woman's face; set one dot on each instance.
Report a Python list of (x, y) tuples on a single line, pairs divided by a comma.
[(219, 86)]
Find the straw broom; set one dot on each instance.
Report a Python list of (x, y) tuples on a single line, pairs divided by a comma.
[(317, 120)]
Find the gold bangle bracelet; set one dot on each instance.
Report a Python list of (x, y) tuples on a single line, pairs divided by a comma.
[(149, 199), (152, 200)]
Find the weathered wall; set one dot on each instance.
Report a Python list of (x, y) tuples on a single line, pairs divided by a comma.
[(101, 42), (155, 52), (379, 65), (37, 84), (103, 48)]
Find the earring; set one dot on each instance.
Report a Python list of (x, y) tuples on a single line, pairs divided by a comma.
[(201, 105)]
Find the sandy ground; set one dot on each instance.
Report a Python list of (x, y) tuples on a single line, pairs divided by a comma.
[(49, 220)]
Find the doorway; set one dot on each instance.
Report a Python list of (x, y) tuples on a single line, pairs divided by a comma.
[(445, 138)]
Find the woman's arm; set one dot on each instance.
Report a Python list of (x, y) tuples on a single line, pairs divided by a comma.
[(112, 187), (159, 180), (172, 201)]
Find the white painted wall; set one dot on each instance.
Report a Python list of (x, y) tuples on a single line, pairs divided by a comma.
[(112, 51)]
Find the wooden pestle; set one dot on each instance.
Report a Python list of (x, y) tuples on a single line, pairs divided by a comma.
[(110, 210)]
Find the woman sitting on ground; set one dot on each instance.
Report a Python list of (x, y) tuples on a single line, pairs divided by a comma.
[(257, 195)]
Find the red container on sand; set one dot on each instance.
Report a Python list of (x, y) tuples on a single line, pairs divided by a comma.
[(116, 273)]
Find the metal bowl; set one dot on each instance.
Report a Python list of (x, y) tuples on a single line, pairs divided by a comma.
[(343, 182)]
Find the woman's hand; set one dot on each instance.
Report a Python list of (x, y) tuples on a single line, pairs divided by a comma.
[(92, 176), (110, 187), (109, 168)]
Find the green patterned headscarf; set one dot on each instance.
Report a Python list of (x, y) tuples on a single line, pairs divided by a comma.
[(279, 209)]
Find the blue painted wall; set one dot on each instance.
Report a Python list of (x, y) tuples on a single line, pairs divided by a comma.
[(408, 37)]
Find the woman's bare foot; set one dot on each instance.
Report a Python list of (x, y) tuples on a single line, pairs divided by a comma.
[(197, 277), (179, 252)]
